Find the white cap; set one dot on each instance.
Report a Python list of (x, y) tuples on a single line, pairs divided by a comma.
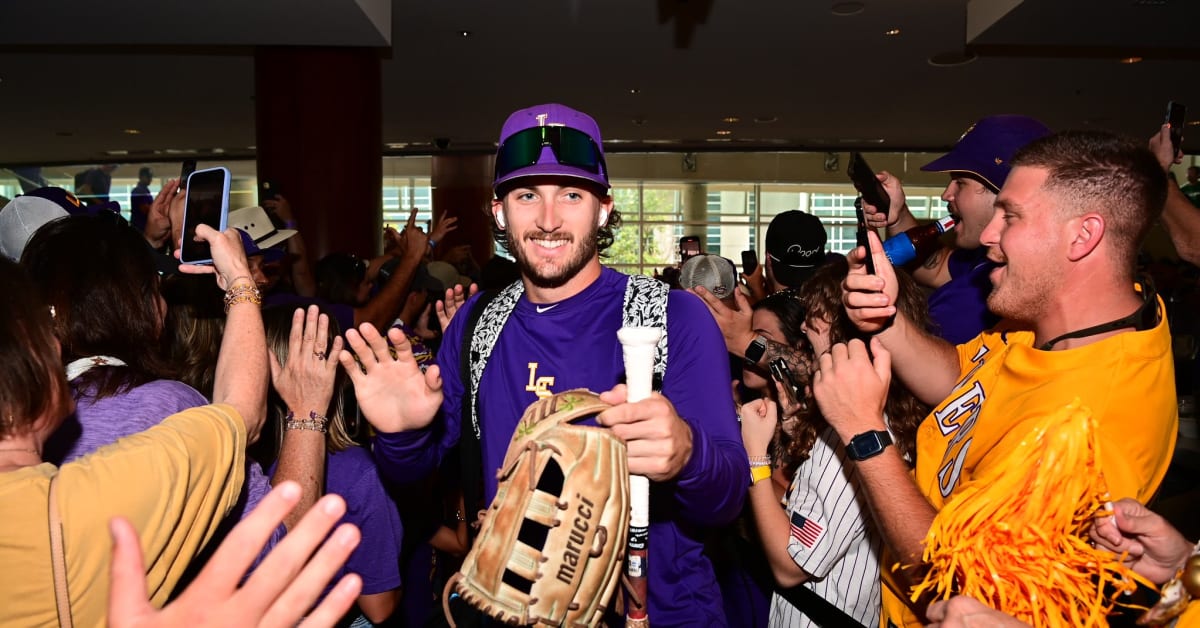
[(22, 217)]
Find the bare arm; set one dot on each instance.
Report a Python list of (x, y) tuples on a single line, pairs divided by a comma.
[(241, 373), (850, 390), (379, 606), (1182, 220), (383, 308), (935, 272), (303, 281), (305, 380), (925, 363)]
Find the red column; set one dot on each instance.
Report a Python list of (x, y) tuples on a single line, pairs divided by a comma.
[(462, 187), (319, 134)]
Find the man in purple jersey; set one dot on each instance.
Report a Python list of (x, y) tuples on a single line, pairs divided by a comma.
[(554, 214)]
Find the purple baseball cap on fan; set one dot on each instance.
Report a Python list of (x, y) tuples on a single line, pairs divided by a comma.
[(552, 114), (987, 147)]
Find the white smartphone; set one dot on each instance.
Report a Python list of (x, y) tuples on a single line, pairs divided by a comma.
[(207, 202)]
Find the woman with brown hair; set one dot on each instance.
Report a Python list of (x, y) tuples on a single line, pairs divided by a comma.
[(173, 482), (823, 538)]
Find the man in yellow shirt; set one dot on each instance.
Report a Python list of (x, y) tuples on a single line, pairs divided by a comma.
[(1069, 221)]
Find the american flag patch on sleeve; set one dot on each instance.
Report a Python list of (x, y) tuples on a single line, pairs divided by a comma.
[(806, 531)]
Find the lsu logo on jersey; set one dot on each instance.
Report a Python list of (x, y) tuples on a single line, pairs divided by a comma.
[(956, 418), (539, 386)]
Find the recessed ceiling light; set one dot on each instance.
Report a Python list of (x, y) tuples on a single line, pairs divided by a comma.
[(847, 8), (116, 153), (396, 145), (717, 139), (766, 119), (218, 151), (731, 119), (132, 131), (464, 33), (251, 148), (724, 132), (951, 59), (634, 90), (892, 32), (1131, 60), (1193, 123)]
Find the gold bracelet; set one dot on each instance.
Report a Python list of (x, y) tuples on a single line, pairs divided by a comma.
[(315, 422), (242, 294)]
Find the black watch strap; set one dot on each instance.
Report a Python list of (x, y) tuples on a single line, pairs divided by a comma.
[(868, 445), (755, 350)]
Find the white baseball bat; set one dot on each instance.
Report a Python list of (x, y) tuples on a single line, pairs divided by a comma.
[(637, 348)]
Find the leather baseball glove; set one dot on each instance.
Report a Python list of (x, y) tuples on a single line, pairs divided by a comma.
[(552, 544)]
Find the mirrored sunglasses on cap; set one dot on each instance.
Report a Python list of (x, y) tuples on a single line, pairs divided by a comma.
[(571, 147)]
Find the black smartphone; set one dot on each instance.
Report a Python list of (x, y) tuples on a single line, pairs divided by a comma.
[(189, 166), (782, 373), (867, 185), (1176, 119), (749, 262), (207, 202), (689, 247), (861, 235)]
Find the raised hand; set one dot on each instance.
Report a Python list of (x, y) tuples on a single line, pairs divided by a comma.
[(393, 394), (448, 307), (870, 300), (279, 593), (229, 258), (735, 323), (305, 378), (759, 418)]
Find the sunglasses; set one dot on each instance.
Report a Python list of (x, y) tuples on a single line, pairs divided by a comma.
[(571, 148)]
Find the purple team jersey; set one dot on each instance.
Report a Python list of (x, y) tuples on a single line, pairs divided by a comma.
[(959, 307), (573, 344)]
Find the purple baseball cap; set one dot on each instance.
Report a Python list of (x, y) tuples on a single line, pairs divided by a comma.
[(270, 253), (552, 114), (987, 147)]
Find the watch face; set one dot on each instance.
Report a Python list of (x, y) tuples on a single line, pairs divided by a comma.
[(865, 445)]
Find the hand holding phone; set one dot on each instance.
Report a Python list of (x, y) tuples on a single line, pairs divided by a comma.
[(861, 235), (207, 202), (868, 186), (1176, 119), (782, 373)]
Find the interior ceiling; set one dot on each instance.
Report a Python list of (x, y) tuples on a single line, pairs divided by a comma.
[(658, 75)]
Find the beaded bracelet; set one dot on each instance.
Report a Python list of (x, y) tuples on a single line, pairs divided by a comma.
[(760, 461), (315, 422), (242, 294)]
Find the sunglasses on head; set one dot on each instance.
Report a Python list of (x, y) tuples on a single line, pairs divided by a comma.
[(571, 148)]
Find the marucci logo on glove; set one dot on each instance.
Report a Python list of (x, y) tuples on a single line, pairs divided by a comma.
[(552, 542)]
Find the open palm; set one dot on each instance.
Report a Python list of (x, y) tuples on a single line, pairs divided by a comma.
[(393, 394)]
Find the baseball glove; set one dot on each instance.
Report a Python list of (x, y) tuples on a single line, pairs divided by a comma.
[(552, 544)]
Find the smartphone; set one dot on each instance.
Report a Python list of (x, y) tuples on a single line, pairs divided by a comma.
[(189, 166), (782, 373), (749, 262), (689, 247), (1176, 118), (861, 235), (867, 185), (207, 202), (267, 191)]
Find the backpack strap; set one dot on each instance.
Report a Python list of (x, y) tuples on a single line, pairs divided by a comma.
[(646, 306)]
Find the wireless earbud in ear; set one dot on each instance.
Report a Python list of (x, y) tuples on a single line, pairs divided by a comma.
[(500, 220), (603, 218)]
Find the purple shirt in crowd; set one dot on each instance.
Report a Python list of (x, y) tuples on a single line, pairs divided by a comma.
[(99, 422), (959, 307), (573, 344)]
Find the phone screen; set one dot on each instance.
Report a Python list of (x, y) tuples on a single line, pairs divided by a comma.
[(867, 185), (781, 373), (207, 203), (1176, 118), (861, 235), (689, 247), (749, 262)]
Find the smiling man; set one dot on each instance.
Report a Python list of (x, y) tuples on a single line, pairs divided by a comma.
[(1063, 242), (556, 329)]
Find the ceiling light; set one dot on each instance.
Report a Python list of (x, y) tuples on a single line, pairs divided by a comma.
[(766, 119), (951, 59), (717, 139), (1131, 60), (464, 33), (724, 132), (396, 145), (132, 131), (847, 8), (218, 151), (731, 119), (892, 32), (116, 153), (1193, 123), (634, 90)]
